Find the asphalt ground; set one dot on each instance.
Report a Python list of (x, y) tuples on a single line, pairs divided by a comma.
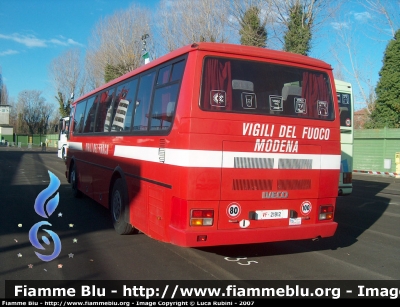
[(366, 245)]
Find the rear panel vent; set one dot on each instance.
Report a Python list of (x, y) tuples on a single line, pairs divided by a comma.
[(161, 151), (295, 163), (252, 184), (245, 162), (294, 184)]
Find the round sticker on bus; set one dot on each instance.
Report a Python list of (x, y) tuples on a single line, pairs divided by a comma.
[(244, 223), (305, 207), (233, 210), (348, 122)]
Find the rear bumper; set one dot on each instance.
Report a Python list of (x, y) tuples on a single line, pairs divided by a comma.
[(345, 190), (247, 236)]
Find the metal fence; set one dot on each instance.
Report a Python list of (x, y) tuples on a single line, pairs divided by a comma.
[(36, 140), (377, 150)]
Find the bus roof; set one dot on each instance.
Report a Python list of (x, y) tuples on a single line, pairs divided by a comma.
[(226, 49), (262, 53), (342, 83)]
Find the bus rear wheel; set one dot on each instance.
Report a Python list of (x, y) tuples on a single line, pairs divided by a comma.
[(119, 209)]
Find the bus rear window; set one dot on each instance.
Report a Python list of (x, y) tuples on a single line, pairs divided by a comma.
[(232, 85), (345, 108)]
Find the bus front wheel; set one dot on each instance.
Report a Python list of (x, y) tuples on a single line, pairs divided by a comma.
[(74, 183), (63, 153), (119, 209)]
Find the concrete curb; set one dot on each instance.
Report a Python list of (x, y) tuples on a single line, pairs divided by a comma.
[(397, 175)]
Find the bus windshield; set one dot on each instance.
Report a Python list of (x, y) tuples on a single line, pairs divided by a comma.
[(232, 85), (345, 107), (63, 133)]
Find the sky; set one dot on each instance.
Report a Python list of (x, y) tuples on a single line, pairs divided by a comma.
[(34, 32)]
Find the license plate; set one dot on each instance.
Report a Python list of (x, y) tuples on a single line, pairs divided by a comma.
[(271, 214), (295, 221)]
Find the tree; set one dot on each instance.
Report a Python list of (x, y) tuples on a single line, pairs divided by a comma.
[(34, 111), (16, 111), (378, 23), (252, 32), (115, 45), (387, 106), (13, 114), (358, 69), (314, 14), (183, 22), (64, 107), (297, 38), (112, 72), (66, 72)]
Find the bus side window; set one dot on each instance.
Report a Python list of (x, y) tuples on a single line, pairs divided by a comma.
[(163, 75), (177, 71), (124, 107), (163, 107), (90, 114), (141, 114), (79, 116), (165, 96), (109, 115), (102, 110)]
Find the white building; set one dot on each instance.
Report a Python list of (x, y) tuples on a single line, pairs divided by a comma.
[(6, 131)]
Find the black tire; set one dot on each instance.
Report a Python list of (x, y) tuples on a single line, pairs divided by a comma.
[(119, 209), (63, 153), (74, 182)]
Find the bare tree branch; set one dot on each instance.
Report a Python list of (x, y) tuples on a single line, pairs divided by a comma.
[(34, 110), (183, 22), (67, 74), (388, 10), (116, 40), (347, 44)]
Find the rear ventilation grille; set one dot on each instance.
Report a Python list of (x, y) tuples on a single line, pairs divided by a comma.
[(295, 163), (294, 184), (245, 162), (252, 184)]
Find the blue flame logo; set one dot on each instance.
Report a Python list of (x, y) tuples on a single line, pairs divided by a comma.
[(45, 211)]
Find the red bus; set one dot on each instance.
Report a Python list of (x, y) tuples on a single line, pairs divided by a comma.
[(212, 144)]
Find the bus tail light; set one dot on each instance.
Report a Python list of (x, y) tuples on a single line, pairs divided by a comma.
[(347, 177), (326, 213), (201, 217)]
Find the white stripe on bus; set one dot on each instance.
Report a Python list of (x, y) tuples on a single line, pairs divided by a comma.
[(210, 158), (75, 145)]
